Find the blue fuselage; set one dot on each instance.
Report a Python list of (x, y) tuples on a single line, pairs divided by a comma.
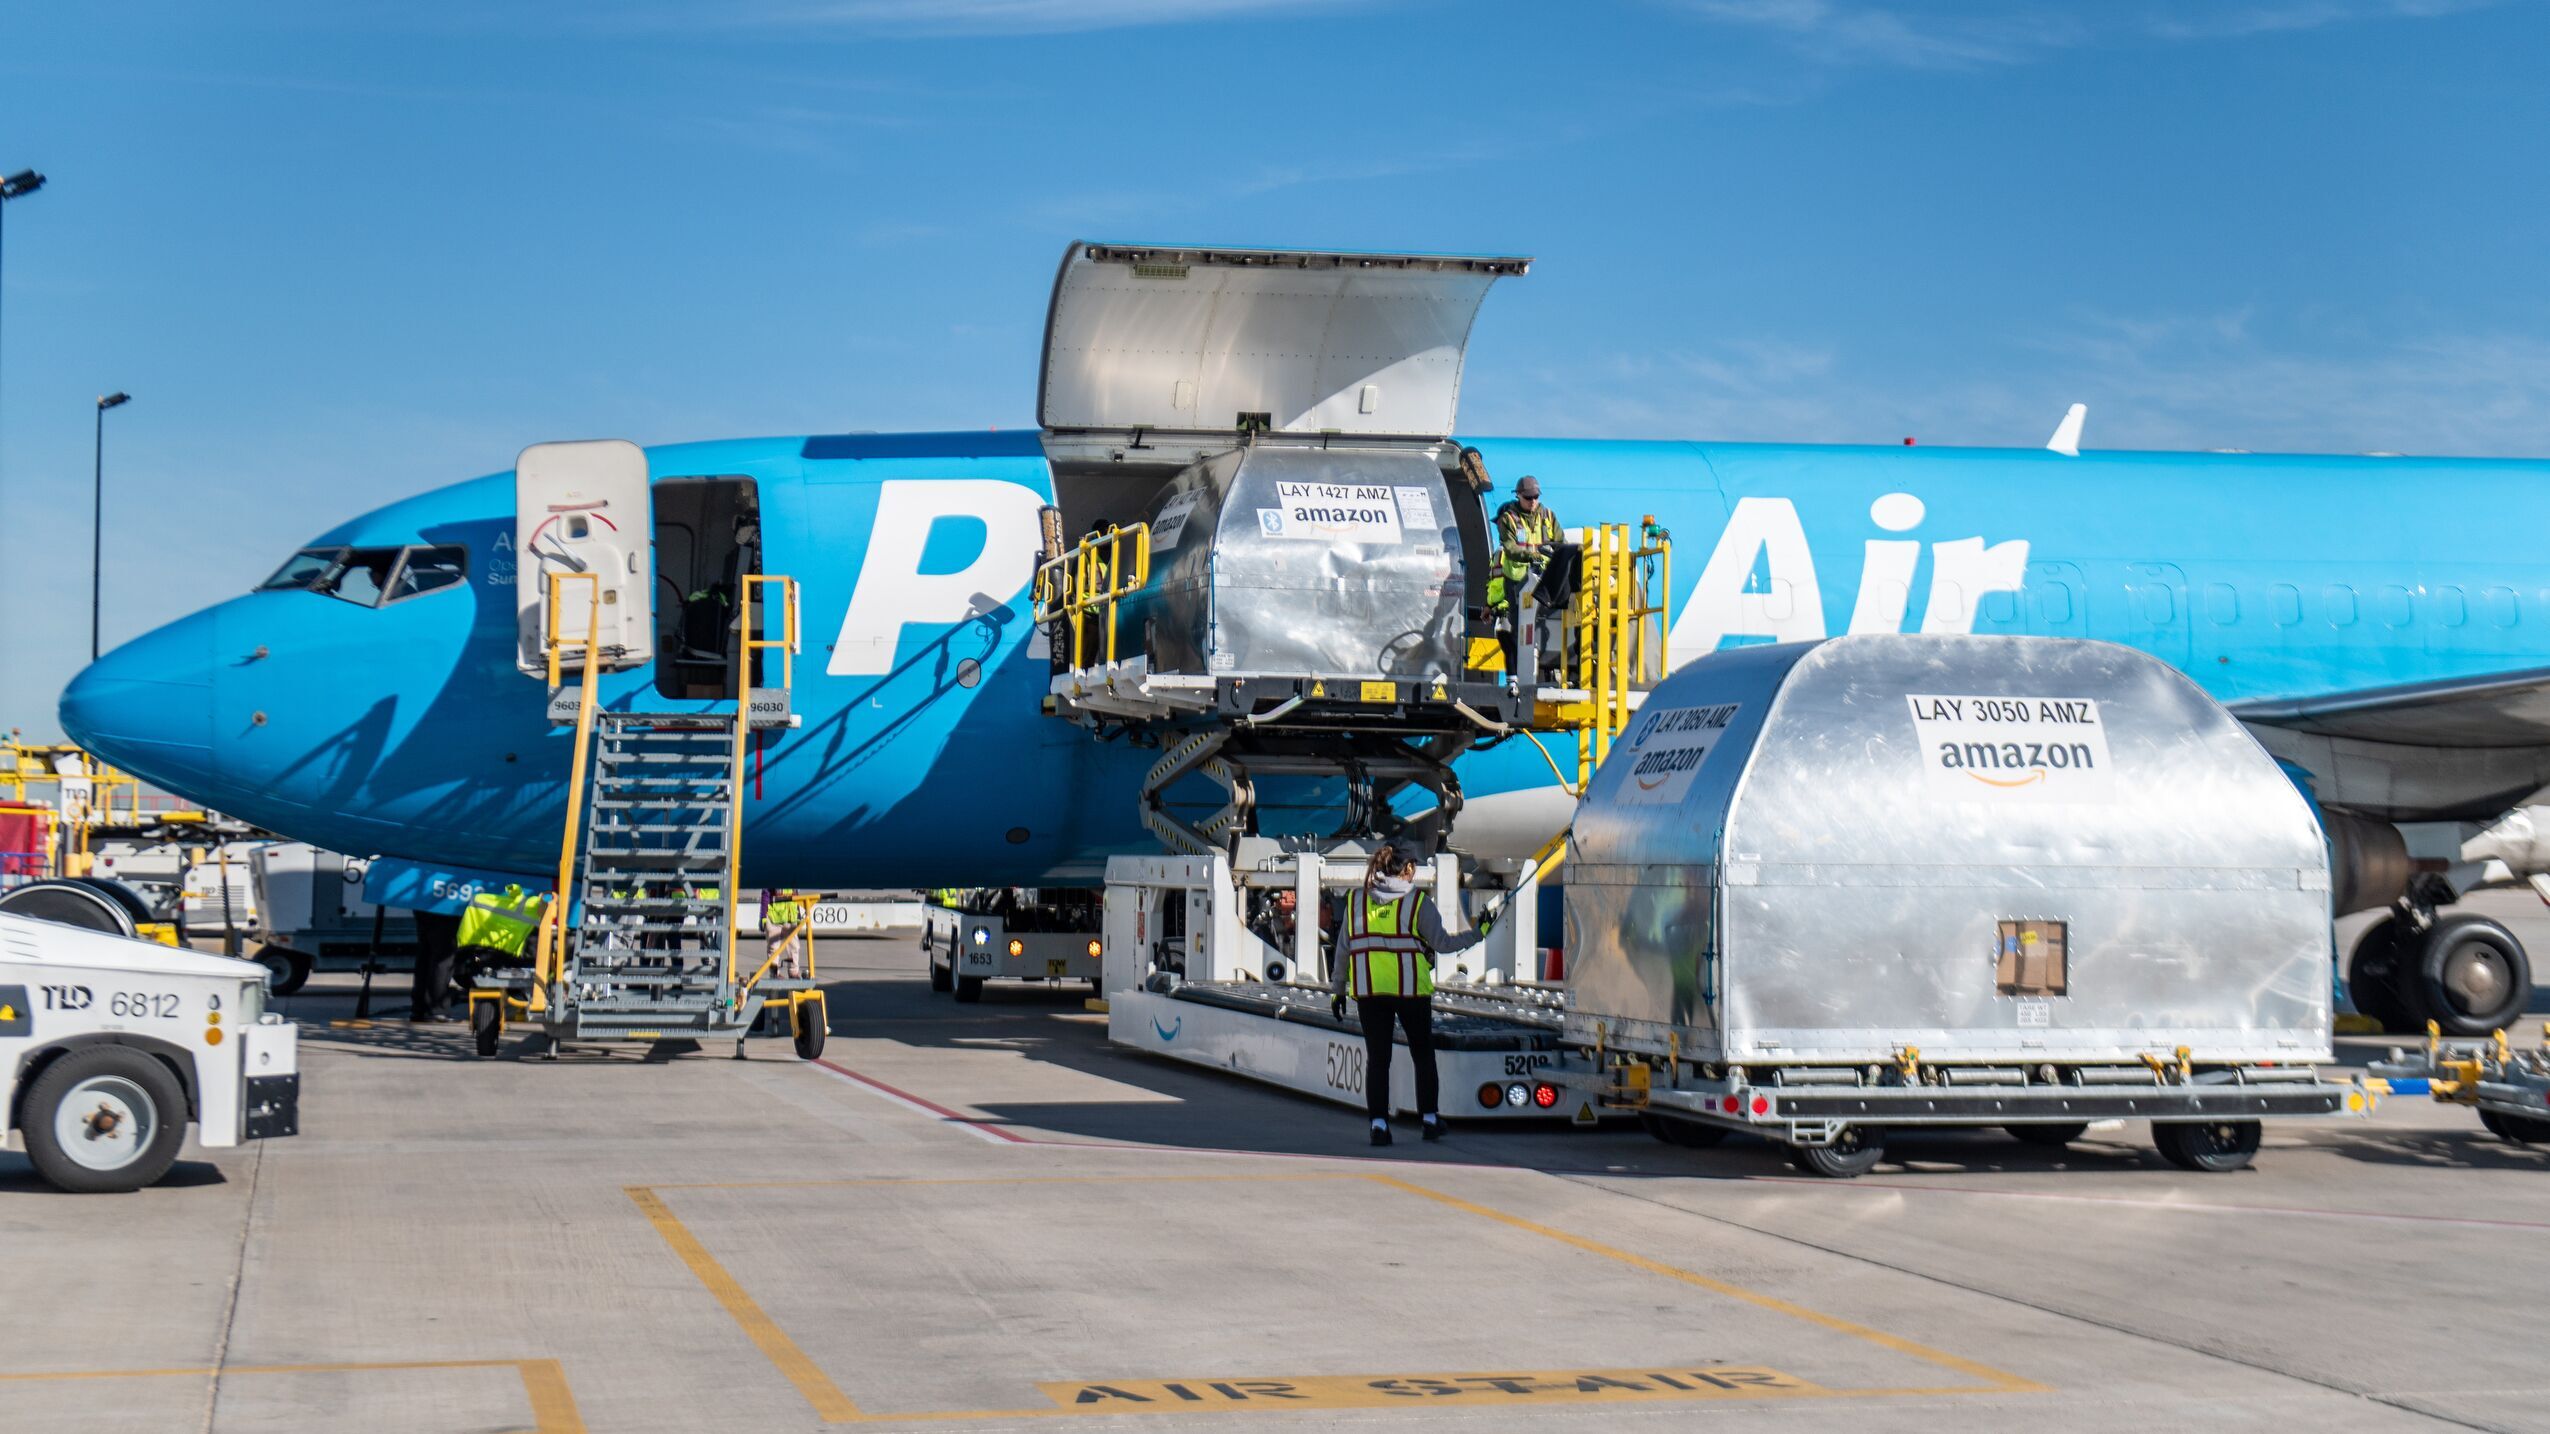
[(406, 729)]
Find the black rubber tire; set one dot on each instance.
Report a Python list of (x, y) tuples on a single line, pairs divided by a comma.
[(969, 989), (812, 1025), (123, 894), (2521, 1129), (85, 905), (487, 1025), (2373, 979), (942, 978), (2063, 1134), (286, 971), (2472, 974), (137, 1072), (2210, 1146), (1689, 1134), (1853, 1153)]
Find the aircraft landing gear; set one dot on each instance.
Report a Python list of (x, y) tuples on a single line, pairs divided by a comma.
[(2466, 973)]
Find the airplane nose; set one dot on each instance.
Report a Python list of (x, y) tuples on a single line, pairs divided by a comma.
[(147, 706)]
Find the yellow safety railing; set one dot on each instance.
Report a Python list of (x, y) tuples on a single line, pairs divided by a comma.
[(752, 625), (549, 959), (1616, 631), (111, 798), (1091, 577), (1613, 645)]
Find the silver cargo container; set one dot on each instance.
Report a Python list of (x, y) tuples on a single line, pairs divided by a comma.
[(1950, 880), (1318, 561)]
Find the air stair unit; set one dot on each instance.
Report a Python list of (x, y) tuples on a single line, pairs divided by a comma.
[(640, 942)]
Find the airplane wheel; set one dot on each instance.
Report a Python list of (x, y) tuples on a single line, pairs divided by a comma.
[(1853, 1153), (2373, 977), (942, 978), (286, 971), (2063, 1134), (487, 1025), (2472, 974), (969, 989), (104, 1120), (1689, 1134), (812, 1025), (2211, 1146)]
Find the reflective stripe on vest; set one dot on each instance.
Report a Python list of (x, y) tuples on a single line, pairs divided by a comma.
[(500, 921), (1381, 942)]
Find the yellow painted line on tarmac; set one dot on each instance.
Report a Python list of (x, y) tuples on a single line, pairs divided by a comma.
[(2001, 1380), (1701, 1380), (544, 1382), (816, 1386)]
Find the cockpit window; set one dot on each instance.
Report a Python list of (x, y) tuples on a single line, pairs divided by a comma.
[(303, 569), (369, 577), (429, 570), (362, 577)]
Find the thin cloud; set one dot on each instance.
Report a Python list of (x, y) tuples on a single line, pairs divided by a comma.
[(1841, 34), (2192, 381), (956, 18), (2232, 22)]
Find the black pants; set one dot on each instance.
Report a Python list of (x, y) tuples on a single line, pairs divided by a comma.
[(1415, 1015), (437, 947)]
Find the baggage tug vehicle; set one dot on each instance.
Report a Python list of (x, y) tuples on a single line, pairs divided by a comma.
[(109, 1044)]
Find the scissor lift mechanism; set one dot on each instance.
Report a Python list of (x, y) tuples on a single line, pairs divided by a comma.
[(1185, 977)]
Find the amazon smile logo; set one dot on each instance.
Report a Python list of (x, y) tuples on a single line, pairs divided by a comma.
[(2014, 747)]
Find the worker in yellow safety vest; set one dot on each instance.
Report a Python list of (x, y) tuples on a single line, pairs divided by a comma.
[(1527, 535), (495, 929), (785, 917), (1386, 962)]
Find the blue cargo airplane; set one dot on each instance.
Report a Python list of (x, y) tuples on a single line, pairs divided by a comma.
[(2381, 623)]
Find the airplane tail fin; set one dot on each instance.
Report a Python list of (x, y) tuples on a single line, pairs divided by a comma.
[(2067, 434)]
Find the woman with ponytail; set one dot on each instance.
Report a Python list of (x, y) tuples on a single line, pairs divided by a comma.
[(1385, 960)]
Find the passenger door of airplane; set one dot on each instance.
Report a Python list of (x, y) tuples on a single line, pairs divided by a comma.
[(2054, 601), (584, 508), (2156, 617)]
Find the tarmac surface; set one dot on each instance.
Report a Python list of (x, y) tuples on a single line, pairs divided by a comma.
[(980, 1216)]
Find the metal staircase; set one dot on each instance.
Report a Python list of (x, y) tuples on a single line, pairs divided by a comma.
[(650, 953), (641, 943)]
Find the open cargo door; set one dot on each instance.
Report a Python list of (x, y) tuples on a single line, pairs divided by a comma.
[(1146, 341), (584, 508)]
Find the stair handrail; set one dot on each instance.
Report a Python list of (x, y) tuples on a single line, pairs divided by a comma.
[(549, 961), (789, 643)]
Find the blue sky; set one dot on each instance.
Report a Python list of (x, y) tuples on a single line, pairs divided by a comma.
[(344, 252)]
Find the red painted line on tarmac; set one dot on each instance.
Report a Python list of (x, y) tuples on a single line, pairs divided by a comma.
[(2165, 1206), (979, 1127)]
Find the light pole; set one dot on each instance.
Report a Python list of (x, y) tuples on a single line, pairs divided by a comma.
[(97, 513), (16, 186)]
